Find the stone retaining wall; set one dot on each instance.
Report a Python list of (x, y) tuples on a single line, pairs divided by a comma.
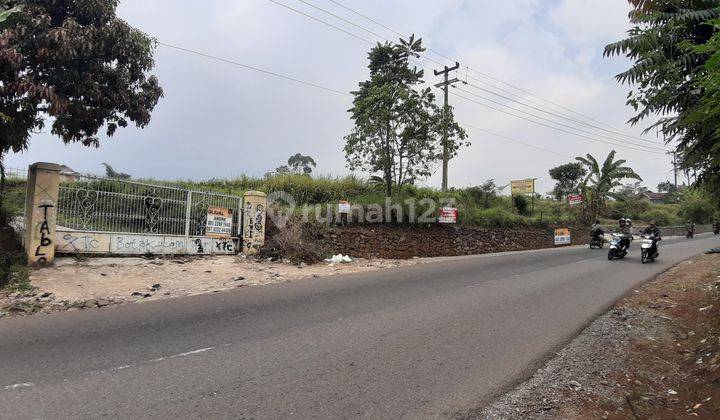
[(392, 241)]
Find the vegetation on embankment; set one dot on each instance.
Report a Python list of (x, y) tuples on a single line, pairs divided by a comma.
[(13, 265), (478, 206)]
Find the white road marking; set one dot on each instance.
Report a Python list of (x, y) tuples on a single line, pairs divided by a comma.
[(21, 385), (159, 359), (189, 353)]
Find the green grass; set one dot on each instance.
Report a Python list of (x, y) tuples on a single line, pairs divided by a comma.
[(476, 208), (13, 264)]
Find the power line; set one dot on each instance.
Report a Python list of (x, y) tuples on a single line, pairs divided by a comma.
[(520, 89), (322, 21), (556, 128), (562, 116), (644, 148), (649, 148), (253, 68), (515, 140), (348, 21)]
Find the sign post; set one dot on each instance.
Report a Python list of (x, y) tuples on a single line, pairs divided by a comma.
[(523, 187)]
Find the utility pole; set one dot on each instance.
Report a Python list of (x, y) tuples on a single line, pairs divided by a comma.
[(674, 156), (446, 108)]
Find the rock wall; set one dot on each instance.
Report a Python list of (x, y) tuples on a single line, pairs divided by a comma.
[(392, 241)]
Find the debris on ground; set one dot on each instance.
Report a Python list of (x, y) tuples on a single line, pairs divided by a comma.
[(339, 259), (656, 354)]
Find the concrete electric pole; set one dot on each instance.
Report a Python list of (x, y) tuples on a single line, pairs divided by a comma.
[(446, 108)]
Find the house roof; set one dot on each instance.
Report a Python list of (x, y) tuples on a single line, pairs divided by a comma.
[(654, 196), (66, 170)]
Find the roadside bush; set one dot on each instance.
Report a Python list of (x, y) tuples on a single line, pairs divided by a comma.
[(660, 217), (13, 265), (696, 207), (522, 205), (495, 218), (288, 243)]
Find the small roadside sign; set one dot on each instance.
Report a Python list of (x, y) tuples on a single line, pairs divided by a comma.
[(344, 207), (575, 199), (562, 236), (219, 222), (448, 215)]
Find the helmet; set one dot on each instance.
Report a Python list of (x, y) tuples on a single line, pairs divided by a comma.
[(621, 222), (628, 222)]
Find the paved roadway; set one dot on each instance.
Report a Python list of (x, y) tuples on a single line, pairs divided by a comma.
[(430, 340)]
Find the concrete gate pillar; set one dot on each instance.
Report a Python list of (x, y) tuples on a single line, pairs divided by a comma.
[(43, 186), (253, 224)]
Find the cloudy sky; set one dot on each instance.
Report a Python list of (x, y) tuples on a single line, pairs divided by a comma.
[(220, 120)]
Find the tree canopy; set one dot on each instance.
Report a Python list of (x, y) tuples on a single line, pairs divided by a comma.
[(300, 163), (76, 62), (398, 127), (568, 177), (675, 46)]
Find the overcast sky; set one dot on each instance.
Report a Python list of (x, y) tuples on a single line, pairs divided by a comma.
[(218, 120)]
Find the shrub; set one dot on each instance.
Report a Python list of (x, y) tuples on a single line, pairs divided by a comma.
[(659, 216), (695, 207), (495, 218), (522, 205), (289, 243), (13, 265)]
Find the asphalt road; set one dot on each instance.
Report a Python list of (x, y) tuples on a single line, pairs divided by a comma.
[(430, 340)]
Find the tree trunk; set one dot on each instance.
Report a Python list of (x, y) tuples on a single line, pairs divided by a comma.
[(2, 177), (388, 163)]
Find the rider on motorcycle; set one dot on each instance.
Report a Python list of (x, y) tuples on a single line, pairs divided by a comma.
[(596, 231), (626, 230), (653, 231)]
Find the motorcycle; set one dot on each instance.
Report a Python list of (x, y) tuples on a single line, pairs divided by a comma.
[(690, 232), (649, 248), (619, 246), (597, 240), (716, 229)]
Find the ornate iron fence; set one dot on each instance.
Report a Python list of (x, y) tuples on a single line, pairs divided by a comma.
[(96, 204)]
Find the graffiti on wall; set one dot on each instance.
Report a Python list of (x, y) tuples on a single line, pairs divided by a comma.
[(45, 234), (253, 226), (76, 242)]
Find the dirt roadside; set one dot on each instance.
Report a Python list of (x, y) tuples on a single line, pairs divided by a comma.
[(73, 284), (656, 354)]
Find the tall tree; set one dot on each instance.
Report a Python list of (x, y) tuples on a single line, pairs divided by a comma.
[(77, 63), (600, 182), (300, 163), (568, 177), (675, 46), (398, 126), (111, 173)]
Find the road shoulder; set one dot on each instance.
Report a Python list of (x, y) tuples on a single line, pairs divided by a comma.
[(655, 354)]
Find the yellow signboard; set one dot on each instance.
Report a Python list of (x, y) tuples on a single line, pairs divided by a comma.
[(523, 186)]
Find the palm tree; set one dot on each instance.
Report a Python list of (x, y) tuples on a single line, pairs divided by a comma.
[(600, 182)]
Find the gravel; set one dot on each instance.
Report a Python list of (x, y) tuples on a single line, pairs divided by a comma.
[(581, 370)]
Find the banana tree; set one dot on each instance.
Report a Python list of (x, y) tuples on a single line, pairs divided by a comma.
[(600, 182)]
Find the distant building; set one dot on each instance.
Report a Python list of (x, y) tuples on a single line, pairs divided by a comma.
[(655, 198), (67, 174)]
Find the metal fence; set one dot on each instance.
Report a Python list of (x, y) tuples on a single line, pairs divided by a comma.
[(96, 204), (15, 173)]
